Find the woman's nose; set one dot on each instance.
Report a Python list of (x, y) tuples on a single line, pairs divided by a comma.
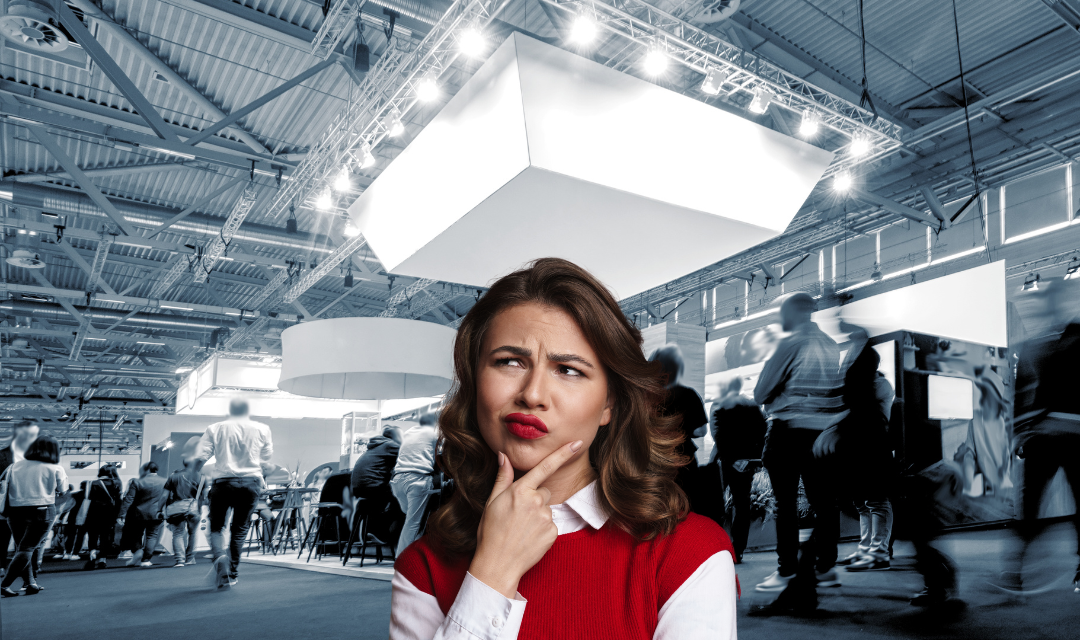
[(534, 392)]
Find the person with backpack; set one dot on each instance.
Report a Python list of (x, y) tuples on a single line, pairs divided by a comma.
[(183, 509), (105, 497)]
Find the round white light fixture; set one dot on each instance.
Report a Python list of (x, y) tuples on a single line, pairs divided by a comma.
[(343, 180), (860, 146), (809, 125), (393, 124), (761, 101), (656, 61), (843, 181), (367, 158), (584, 30), (427, 90), (324, 201), (472, 42), (714, 81), (351, 230)]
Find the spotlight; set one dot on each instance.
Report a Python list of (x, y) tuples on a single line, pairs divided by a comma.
[(290, 226), (394, 127), (584, 30), (427, 90), (324, 201), (1031, 283), (348, 282), (367, 158), (343, 181), (714, 81), (842, 182), (656, 61), (809, 126), (472, 42), (1072, 269), (876, 275), (860, 146), (351, 230), (762, 99)]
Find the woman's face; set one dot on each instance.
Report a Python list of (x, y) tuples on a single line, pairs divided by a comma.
[(540, 386)]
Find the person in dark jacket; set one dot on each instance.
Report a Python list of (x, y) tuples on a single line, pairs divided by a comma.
[(105, 499), (684, 401), (371, 482), (738, 429), (186, 491), (25, 433), (144, 501)]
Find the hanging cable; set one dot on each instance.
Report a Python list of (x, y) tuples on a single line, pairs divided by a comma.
[(865, 100)]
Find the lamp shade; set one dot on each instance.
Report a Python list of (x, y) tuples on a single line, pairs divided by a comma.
[(367, 359)]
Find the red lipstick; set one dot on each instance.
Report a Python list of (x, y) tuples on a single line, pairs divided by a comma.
[(525, 426)]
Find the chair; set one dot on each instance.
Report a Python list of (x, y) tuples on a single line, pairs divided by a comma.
[(359, 535), (255, 534), (323, 511)]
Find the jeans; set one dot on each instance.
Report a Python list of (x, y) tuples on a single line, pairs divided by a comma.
[(739, 482), (240, 495), (151, 528), (183, 529), (30, 526), (875, 527), (788, 455), (100, 526), (411, 491), (1044, 454)]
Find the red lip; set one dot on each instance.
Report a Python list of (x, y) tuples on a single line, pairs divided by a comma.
[(525, 426)]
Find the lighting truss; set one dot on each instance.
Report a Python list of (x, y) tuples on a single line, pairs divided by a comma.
[(386, 87), (120, 419), (100, 255), (646, 25), (429, 301), (338, 22), (403, 294), (167, 279), (236, 337), (217, 245), (80, 339)]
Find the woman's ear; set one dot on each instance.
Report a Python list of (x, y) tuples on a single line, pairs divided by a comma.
[(605, 415)]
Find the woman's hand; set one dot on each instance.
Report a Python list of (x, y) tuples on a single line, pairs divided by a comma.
[(516, 529)]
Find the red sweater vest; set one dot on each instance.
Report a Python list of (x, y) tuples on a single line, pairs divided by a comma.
[(594, 584)]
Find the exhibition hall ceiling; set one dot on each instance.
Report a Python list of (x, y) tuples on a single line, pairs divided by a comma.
[(191, 153)]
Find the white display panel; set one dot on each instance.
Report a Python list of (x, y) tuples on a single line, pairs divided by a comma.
[(547, 153), (949, 398)]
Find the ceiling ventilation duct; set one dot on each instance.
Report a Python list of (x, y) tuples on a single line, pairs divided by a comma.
[(713, 11), (34, 24)]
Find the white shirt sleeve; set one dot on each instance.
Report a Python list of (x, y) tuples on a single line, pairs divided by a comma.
[(478, 613), (704, 606)]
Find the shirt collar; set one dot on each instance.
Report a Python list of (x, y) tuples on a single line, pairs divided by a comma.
[(586, 504)]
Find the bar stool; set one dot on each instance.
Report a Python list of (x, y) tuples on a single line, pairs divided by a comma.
[(359, 535), (323, 510)]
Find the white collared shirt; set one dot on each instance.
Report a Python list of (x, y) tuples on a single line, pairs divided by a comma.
[(703, 607), (240, 447)]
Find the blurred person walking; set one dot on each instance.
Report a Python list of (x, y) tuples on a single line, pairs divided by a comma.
[(185, 491), (241, 447), (684, 401), (25, 432), (1047, 418), (144, 500), (411, 481), (800, 388), (33, 485), (105, 500), (738, 429)]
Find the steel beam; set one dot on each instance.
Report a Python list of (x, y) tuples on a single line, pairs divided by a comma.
[(101, 171), (81, 178), (95, 279), (195, 207)]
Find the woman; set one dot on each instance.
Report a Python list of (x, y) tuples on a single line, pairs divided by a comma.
[(33, 486), (105, 496), (566, 520), (186, 491)]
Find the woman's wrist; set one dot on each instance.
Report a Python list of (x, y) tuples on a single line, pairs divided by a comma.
[(495, 576)]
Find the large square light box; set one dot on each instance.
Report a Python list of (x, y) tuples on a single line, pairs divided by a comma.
[(545, 153)]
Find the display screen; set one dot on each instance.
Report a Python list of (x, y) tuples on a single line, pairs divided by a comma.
[(949, 398)]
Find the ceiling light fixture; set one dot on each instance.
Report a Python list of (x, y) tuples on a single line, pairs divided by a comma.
[(860, 146), (1031, 283), (367, 158), (350, 230), (584, 30), (842, 182), (1072, 270), (427, 90), (761, 101), (343, 181), (472, 42), (169, 306), (656, 61), (714, 81), (809, 125), (393, 124), (324, 201)]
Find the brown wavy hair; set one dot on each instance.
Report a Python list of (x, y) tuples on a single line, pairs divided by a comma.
[(635, 455)]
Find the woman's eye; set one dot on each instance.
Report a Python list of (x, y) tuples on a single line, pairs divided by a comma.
[(508, 362), (569, 371)]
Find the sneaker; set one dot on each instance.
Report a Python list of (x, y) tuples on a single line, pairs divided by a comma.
[(775, 582), (852, 559), (146, 563), (869, 563), (828, 578), (178, 564), (134, 559), (124, 556)]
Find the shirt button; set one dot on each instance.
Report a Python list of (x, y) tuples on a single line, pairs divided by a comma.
[(495, 622)]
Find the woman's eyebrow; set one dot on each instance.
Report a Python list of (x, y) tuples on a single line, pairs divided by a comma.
[(521, 352), (563, 358)]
